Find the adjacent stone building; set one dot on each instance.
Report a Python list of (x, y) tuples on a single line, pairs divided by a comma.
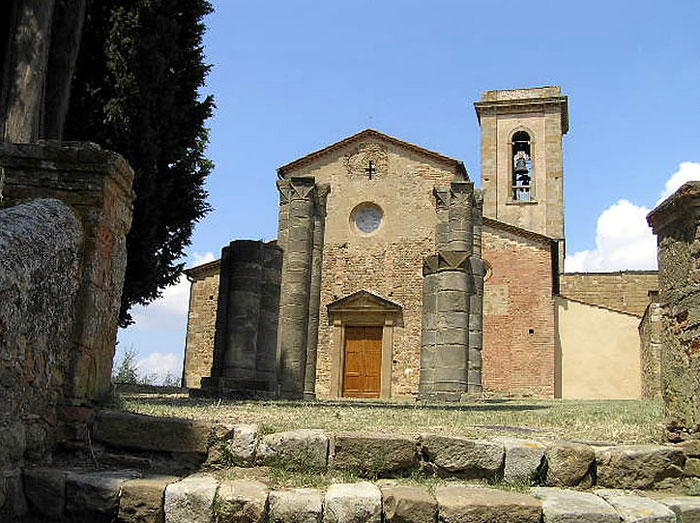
[(400, 278)]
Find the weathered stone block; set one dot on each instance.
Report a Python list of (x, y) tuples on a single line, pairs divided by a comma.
[(686, 508), (408, 504), (241, 448), (94, 496), (232, 445), (458, 504), (353, 503), (241, 501), (692, 467), (638, 466), (690, 448), (301, 505), (374, 454), (45, 490), (303, 449), (569, 506), (569, 464), (12, 500), (463, 457), (191, 499), (636, 509), (523, 459), (136, 431), (141, 500)]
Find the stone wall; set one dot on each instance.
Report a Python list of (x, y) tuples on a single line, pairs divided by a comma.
[(543, 114), (388, 261), (650, 350), (201, 323), (677, 226), (40, 246), (66, 211), (625, 291), (96, 184), (519, 322)]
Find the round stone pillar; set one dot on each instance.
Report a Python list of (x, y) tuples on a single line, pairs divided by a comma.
[(315, 291), (295, 287), (243, 309), (476, 300), (445, 341)]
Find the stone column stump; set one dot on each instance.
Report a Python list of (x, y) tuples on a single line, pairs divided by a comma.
[(676, 222)]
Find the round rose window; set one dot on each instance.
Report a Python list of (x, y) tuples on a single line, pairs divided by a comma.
[(367, 218)]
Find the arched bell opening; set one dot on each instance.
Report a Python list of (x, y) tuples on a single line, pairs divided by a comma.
[(522, 176)]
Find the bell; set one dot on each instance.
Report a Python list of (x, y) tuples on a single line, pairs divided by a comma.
[(520, 166)]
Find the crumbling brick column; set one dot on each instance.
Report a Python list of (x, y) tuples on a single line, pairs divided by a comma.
[(96, 184), (315, 290), (676, 222), (295, 289)]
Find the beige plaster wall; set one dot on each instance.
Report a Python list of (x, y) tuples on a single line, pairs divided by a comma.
[(387, 262), (599, 352)]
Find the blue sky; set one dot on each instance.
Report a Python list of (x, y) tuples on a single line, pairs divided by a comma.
[(291, 77)]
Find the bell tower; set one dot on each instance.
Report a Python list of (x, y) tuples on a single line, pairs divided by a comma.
[(521, 158)]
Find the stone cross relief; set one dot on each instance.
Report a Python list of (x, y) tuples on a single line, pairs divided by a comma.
[(371, 169)]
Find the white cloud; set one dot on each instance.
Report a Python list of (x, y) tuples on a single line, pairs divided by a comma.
[(623, 238), (623, 241), (160, 364), (687, 171), (172, 305)]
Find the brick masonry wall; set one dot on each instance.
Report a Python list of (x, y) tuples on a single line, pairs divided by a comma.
[(201, 323), (518, 298), (626, 291)]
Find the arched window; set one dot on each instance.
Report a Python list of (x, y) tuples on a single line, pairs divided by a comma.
[(522, 185)]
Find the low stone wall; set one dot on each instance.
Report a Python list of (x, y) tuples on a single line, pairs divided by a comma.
[(106, 496), (40, 245), (554, 468)]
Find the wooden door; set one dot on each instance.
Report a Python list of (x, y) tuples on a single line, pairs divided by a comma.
[(363, 362)]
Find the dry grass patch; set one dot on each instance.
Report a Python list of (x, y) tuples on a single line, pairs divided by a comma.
[(628, 421)]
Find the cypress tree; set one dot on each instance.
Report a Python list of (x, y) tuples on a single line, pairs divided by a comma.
[(136, 92)]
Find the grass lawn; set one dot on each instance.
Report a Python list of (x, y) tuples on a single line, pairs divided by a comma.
[(628, 421)]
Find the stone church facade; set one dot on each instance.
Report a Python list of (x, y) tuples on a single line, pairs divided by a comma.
[(392, 276)]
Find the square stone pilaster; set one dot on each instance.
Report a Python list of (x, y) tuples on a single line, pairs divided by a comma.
[(96, 184), (676, 222)]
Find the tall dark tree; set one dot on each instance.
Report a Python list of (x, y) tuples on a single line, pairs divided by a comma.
[(136, 91)]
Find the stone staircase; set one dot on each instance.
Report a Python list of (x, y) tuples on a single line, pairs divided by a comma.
[(167, 469)]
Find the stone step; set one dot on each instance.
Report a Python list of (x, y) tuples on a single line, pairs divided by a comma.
[(179, 446), (126, 496)]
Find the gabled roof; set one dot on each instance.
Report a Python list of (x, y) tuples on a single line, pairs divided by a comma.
[(362, 300), (372, 133), (518, 231), (203, 270)]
